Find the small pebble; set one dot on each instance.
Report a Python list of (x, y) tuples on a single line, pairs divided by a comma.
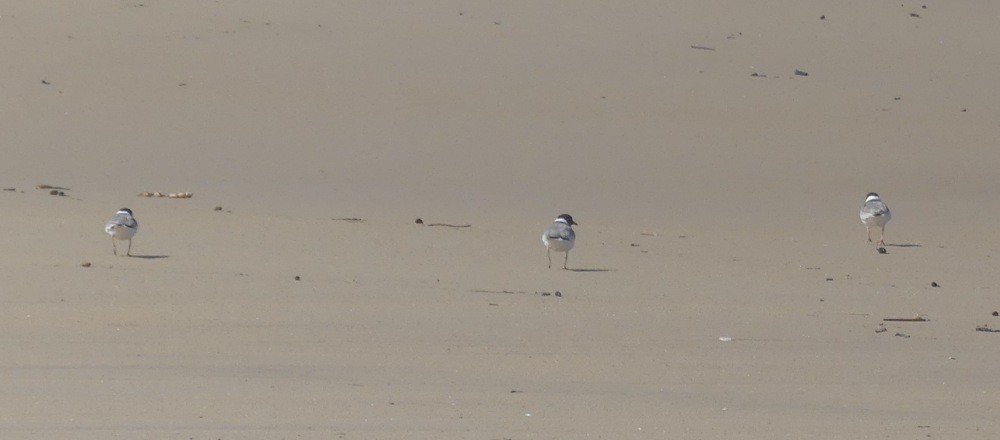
[(935, 284), (881, 250), (297, 278), (85, 264), (53, 193), (801, 72), (996, 313), (218, 208), (419, 221), (559, 294)]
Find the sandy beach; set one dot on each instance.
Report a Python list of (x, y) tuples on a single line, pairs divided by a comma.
[(714, 155)]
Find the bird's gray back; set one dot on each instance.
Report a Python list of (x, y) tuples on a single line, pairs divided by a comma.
[(875, 208), (560, 231), (121, 220)]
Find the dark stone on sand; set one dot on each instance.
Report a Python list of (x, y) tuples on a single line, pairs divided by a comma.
[(935, 284), (419, 221)]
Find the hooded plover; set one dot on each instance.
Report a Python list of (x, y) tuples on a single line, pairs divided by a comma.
[(122, 227), (875, 213), (559, 237)]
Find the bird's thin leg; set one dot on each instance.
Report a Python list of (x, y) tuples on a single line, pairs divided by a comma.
[(566, 260), (129, 252), (548, 252), (881, 240), (869, 229), (114, 246)]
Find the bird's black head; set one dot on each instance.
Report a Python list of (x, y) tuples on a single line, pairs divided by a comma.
[(568, 218), (129, 211), (871, 194)]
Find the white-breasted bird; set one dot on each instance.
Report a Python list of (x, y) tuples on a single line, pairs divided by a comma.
[(122, 226), (875, 213), (559, 237)]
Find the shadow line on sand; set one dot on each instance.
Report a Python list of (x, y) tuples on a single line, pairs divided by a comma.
[(591, 270), (904, 245), (150, 257)]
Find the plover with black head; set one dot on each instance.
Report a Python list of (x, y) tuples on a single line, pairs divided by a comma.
[(122, 226), (559, 237), (875, 213)]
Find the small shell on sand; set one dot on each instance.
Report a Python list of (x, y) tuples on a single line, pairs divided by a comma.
[(157, 194), (146, 194), (172, 195)]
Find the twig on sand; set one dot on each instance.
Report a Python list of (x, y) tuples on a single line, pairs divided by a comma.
[(917, 319), (519, 292), (702, 47), (351, 220), (43, 186)]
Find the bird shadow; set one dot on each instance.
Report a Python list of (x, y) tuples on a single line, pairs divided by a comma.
[(591, 270), (150, 257), (905, 245)]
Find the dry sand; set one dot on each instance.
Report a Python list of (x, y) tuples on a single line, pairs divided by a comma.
[(712, 203)]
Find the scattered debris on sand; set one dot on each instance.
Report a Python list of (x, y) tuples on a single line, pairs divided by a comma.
[(177, 195)]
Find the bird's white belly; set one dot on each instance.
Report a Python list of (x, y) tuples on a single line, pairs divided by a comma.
[(871, 220), (121, 232), (557, 245)]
